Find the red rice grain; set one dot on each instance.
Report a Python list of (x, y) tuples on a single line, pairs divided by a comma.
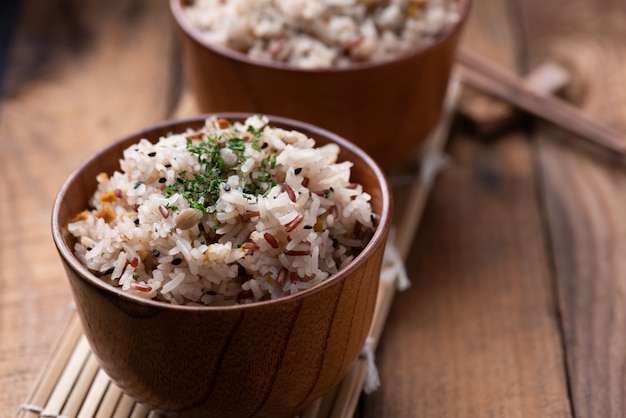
[(270, 239)]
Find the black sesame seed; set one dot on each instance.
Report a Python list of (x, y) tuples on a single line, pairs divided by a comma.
[(89, 248), (177, 261), (308, 226), (108, 272), (226, 187), (167, 165), (212, 292), (156, 253), (136, 221), (335, 243), (298, 170), (162, 180), (152, 154), (265, 145)]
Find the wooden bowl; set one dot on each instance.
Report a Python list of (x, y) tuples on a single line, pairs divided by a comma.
[(387, 109), (265, 359)]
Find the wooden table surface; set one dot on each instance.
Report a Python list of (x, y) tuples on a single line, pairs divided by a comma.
[(517, 305)]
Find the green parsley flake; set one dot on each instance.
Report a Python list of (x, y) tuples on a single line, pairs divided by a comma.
[(202, 189)]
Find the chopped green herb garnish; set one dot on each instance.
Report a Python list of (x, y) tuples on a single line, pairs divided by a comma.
[(255, 132), (255, 145), (237, 144), (203, 188)]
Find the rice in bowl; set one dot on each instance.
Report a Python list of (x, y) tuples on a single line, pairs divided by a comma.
[(231, 213), (322, 33)]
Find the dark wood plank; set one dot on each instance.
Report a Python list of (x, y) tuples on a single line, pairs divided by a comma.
[(585, 198), (478, 332), (80, 74)]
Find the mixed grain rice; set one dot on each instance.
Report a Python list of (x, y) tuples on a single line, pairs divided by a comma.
[(322, 33), (261, 214)]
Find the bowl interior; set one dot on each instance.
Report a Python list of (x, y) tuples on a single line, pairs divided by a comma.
[(74, 196), (177, 9)]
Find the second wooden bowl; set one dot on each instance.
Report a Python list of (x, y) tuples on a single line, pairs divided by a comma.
[(385, 108)]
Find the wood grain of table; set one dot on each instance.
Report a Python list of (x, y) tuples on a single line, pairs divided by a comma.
[(518, 269)]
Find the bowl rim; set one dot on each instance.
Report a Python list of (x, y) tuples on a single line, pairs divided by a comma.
[(378, 239), (186, 26)]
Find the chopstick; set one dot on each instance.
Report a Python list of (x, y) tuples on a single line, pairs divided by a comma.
[(484, 76)]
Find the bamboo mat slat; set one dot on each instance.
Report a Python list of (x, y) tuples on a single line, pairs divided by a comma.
[(70, 374), (83, 383), (72, 384)]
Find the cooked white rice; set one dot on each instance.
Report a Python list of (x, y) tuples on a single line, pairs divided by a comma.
[(267, 215), (322, 33)]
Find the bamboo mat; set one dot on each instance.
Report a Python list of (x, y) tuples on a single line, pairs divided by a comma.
[(73, 385)]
